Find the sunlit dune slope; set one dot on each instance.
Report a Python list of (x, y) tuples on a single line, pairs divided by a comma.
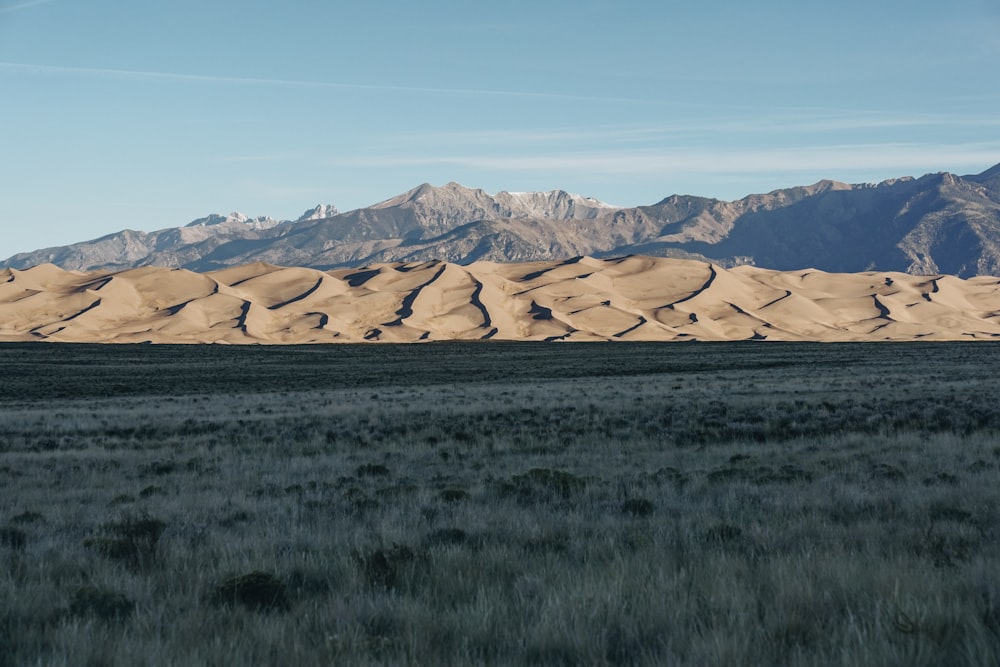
[(632, 298)]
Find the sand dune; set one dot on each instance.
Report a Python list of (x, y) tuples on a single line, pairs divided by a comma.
[(631, 298)]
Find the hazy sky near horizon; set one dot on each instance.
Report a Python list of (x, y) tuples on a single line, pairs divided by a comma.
[(146, 115)]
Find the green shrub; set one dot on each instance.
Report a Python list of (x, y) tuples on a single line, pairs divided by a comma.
[(132, 540)]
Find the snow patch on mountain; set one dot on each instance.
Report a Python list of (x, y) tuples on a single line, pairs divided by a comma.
[(233, 219), (319, 212)]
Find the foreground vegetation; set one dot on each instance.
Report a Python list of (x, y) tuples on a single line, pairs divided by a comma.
[(618, 504)]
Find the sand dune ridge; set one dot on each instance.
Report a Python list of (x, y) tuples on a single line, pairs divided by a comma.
[(581, 299)]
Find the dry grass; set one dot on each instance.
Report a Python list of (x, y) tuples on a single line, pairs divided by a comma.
[(500, 504)]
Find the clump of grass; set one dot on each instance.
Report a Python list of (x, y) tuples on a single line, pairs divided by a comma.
[(257, 590), (150, 490), (385, 568), (941, 478), (944, 547), (943, 512), (359, 500), (132, 540), (990, 607), (728, 474), (629, 645), (638, 507), (13, 537), (887, 472), (382, 634), (668, 474), (234, 518), (453, 495), (100, 603), (373, 470), (396, 491), (161, 467), (303, 583), (555, 542), (786, 474), (447, 536), (724, 533), (121, 499), (27, 516), (544, 482)]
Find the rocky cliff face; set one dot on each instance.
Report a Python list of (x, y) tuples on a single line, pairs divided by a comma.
[(938, 223)]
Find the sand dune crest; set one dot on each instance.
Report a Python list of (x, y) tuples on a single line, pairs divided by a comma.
[(630, 298)]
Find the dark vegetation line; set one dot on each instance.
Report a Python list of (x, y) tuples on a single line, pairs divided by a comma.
[(39, 370)]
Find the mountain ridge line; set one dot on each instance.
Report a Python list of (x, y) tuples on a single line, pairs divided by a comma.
[(936, 223)]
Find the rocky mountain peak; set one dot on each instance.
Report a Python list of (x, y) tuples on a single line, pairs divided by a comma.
[(234, 219), (318, 212), (214, 219)]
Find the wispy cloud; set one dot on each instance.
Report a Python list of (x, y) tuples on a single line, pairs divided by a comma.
[(23, 5), (27, 68), (829, 159), (838, 121), (778, 122), (263, 157)]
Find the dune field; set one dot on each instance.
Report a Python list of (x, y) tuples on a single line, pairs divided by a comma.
[(582, 299)]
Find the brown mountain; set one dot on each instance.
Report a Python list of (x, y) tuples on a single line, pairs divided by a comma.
[(938, 223)]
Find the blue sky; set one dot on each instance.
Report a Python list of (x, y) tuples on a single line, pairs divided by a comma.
[(146, 115)]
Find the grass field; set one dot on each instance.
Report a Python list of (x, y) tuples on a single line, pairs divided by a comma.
[(591, 504)]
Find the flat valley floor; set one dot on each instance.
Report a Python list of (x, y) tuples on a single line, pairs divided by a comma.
[(500, 503)]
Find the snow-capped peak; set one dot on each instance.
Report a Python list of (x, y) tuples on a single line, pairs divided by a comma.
[(558, 194), (234, 218), (319, 212)]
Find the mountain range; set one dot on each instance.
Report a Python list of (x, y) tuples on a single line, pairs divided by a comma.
[(936, 224)]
